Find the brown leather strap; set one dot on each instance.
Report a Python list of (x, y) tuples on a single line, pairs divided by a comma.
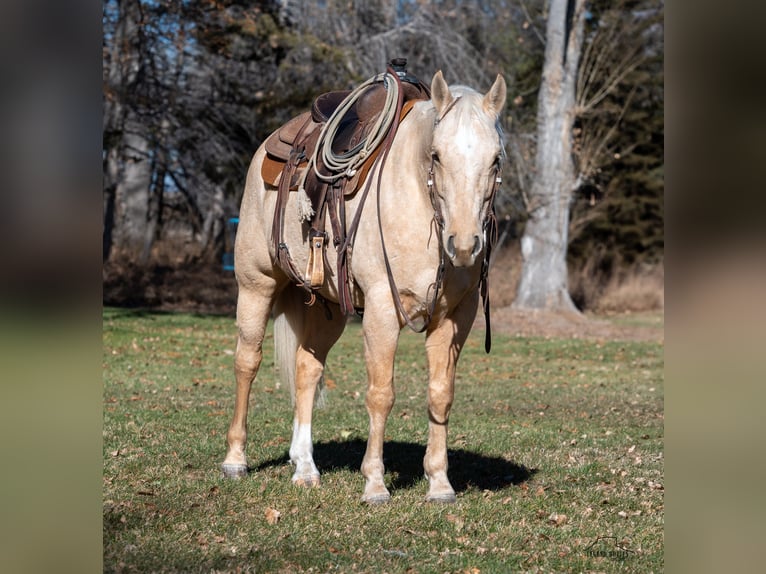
[(283, 190), (375, 172), (281, 251), (392, 283), (490, 232)]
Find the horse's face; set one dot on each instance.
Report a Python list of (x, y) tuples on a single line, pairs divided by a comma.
[(465, 154)]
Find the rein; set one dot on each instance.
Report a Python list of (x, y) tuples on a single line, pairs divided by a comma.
[(489, 226), (490, 234)]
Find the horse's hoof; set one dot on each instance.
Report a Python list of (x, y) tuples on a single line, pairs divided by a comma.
[(307, 481), (234, 470), (443, 498), (376, 499)]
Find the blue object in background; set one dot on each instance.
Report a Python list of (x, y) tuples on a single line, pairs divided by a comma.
[(228, 253)]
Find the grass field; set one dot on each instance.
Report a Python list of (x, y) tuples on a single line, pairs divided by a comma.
[(556, 454)]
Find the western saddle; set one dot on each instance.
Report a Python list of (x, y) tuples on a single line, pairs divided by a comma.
[(340, 123)]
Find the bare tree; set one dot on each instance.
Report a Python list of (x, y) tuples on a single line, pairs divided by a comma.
[(192, 88), (127, 158), (609, 90), (431, 40), (543, 282), (180, 87)]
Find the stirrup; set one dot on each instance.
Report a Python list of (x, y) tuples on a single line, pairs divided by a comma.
[(315, 267)]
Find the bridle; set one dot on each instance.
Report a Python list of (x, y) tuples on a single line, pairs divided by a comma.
[(489, 228)]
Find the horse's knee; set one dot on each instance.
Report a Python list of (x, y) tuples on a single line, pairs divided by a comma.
[(380, 399), (439, 403), (247, 359)]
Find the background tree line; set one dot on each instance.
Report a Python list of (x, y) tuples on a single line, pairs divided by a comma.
[(192, 88)]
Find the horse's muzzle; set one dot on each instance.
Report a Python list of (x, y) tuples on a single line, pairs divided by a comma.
[(463, 253)]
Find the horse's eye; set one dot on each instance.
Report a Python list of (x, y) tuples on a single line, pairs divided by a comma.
[(435, 157)]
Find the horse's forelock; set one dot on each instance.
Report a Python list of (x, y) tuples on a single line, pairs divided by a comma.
[(469, 109)]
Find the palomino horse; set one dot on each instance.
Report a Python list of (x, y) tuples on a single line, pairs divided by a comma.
[(431, 213)]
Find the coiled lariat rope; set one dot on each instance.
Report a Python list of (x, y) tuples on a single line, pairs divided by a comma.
[(345, 164)]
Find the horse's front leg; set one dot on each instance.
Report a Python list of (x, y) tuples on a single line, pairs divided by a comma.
[(444, 342), (381, 335)]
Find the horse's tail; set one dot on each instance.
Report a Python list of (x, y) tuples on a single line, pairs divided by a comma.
[(289, 317)]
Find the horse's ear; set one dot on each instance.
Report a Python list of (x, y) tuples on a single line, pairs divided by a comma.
[(494, 100), (440, 94)]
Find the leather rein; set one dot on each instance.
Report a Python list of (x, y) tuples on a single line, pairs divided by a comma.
[(489, 226)]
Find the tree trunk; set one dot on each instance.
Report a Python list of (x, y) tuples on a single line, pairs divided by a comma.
[(128, 165), (132, 197), (543, 283)]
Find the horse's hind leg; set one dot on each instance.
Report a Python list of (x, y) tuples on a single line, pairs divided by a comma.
[(253, 307), (444, 342), (317, 334)]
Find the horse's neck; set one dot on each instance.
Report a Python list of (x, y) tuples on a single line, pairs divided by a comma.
[(420, 123), (411, 151)]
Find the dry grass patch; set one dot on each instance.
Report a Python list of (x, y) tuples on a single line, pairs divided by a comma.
[(629, 289), (555, 448)]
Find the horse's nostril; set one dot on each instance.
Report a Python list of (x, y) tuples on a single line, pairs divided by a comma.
[(451, 246), (476, 245)]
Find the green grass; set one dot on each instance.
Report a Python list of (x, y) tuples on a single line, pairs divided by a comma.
[(556, 453)]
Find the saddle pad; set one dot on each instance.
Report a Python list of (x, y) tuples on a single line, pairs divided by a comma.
[(271, 170)]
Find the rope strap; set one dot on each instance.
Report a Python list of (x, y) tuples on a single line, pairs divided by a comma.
[(346, 164)]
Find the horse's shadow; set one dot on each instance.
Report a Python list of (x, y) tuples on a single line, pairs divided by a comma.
[(404, 464)]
